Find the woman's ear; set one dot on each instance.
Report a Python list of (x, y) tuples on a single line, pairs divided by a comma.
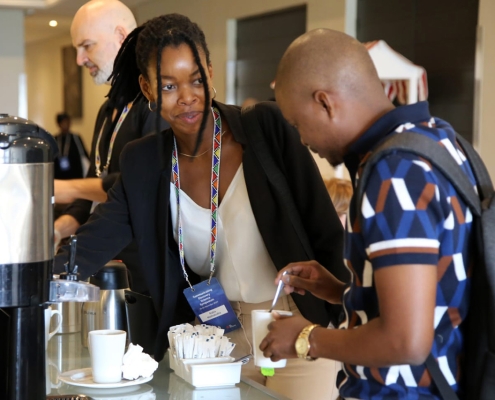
[(210, 71), (146, 88)]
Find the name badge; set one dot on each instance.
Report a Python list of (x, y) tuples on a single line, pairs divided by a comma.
[(210, 305), (64, 163)]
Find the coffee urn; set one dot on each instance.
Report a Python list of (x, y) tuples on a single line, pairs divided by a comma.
[(26, 253), (26, 257)]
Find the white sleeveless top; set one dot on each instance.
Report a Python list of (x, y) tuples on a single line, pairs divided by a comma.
[(243, 265)]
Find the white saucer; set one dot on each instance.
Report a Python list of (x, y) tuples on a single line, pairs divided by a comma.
[(132, 392), (84, 378)]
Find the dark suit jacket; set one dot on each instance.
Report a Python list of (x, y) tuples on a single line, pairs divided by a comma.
[(138, 123), (138, 207)]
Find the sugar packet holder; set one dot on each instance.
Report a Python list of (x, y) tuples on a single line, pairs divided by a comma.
[(207, 372)]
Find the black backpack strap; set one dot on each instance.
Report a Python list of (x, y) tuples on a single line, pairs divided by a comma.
[(255, 137), (443, 386), (430, 150), (486, 242), (485, 186)]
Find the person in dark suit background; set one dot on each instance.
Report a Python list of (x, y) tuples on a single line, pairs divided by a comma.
[(73, 160)]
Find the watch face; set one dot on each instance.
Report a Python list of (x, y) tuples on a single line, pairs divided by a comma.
[(302, 346)]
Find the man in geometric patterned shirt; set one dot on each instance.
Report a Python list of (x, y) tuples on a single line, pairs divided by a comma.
[(409, 247)]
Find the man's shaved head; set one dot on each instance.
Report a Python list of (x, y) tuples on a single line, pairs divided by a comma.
[(98, 30), (327, 85), (330, 60)]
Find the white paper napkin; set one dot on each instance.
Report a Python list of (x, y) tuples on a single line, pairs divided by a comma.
[(137, 364)]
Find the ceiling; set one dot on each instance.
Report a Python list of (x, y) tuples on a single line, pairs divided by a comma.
[(40, 12)]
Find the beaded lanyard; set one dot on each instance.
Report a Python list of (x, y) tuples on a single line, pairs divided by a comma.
[(215, 180), (124, 113)]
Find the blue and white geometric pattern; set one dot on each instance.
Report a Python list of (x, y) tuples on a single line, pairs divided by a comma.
[(410, 214)]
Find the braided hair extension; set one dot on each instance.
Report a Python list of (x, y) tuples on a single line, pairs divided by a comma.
[(125, 75), (173, 30)]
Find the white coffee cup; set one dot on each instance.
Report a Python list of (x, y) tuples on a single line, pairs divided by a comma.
[(106, 348), (49, 313), (260, 320)]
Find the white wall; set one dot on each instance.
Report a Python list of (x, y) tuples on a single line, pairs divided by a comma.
[(45, 88), (212, 17), (485, 94), (11, 60)]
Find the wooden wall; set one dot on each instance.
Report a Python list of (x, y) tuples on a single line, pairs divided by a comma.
[(261, 43), (439, 35)]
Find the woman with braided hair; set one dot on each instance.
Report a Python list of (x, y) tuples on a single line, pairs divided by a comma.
[(212, 200)]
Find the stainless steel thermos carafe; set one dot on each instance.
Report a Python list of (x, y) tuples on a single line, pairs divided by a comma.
[(71, 317), (88, 320), (109, 312)]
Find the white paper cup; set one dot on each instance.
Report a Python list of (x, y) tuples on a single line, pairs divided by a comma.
[(49, 313), (106, 348), (260, 320)]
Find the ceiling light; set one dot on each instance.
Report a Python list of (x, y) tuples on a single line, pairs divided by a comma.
[(53, 23)]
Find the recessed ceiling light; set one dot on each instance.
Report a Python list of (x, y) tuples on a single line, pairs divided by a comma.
[(53, 23)]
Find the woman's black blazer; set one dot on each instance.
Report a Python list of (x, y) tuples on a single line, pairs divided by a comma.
[(138, 207)]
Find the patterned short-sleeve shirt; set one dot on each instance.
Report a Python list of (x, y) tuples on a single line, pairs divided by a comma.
[(410, 214)]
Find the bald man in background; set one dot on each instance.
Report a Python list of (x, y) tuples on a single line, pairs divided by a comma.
[(410, 244), (98, 30)]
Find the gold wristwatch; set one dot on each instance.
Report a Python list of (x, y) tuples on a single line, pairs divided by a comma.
[(302, 343)]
